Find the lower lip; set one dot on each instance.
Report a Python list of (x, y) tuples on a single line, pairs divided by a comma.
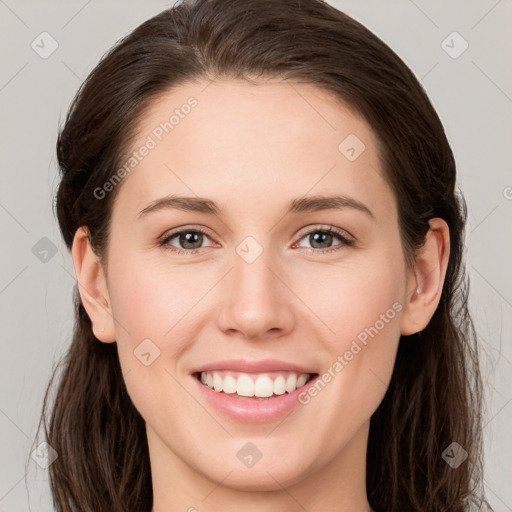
[(253, 411)]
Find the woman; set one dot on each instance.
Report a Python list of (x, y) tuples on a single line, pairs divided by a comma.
[(218, 363)]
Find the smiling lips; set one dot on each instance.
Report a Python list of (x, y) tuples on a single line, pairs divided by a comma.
[(253, 392), (261, 385), (260, 379)]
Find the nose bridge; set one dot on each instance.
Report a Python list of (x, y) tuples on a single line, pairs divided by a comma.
[(251, 269), (256, 300)]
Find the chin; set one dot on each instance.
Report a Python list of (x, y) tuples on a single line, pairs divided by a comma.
[(267, 474), (263, 479)]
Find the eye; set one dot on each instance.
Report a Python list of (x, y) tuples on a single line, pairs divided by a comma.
[(190, 240), (321, 238)]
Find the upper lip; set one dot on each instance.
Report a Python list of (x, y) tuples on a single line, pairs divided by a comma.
[(243, 365)]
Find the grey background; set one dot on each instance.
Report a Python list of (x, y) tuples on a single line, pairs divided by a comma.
[(472, 94)]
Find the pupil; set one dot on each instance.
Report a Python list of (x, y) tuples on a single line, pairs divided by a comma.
[(190, 238), (321, 238)]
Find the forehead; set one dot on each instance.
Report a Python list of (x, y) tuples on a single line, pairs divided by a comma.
[(274, 141)]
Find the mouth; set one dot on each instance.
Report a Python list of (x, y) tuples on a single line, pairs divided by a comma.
[(254, 386)]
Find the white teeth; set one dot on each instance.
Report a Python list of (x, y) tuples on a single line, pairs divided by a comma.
[(262, 387), (291, 383), (279, 386), (217, 382), (229, 385), (244, 386), (302, 380)]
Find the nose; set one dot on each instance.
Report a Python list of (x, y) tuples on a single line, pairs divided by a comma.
[(256, 300)]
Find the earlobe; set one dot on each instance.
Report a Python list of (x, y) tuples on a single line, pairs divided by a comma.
[(425, 283), (92, 286)]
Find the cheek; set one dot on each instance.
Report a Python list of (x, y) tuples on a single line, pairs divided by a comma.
[(351, 297), (148, 303), (148, 298), (364, 315), (361, 305), (145, 306), (155, 306)]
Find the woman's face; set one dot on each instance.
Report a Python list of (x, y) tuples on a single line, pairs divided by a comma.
[(264, 282)]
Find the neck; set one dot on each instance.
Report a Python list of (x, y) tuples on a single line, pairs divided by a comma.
[(336, 483)]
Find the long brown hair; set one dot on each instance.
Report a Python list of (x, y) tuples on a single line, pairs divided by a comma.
[(434, 397)]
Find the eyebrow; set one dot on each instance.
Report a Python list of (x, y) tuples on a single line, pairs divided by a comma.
[(299, 205)]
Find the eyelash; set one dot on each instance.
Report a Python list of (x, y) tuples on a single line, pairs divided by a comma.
[(345, 241)]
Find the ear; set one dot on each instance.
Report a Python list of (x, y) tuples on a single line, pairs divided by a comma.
[(92, 286), (425, 282)]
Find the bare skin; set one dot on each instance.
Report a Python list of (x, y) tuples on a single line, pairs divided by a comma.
[(252, 149)]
